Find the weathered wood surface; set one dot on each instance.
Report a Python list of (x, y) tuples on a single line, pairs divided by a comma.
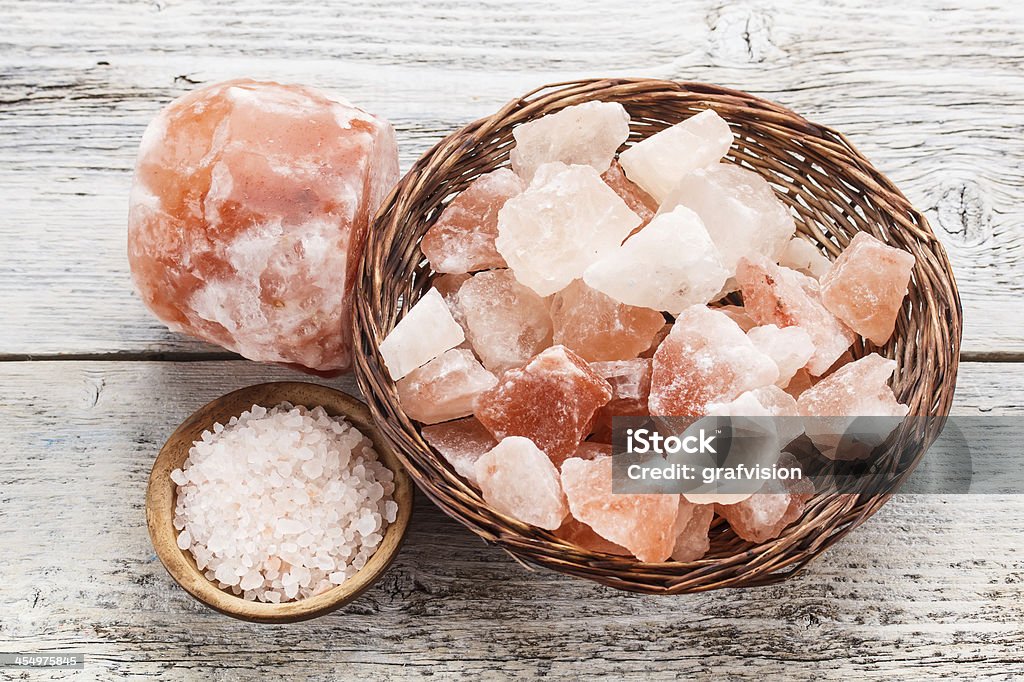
[(930, 91), (932, 585)]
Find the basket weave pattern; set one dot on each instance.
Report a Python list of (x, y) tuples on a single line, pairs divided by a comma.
[(832, 191)]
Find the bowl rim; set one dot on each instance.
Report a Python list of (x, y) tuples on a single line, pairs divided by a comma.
[(161, 493)]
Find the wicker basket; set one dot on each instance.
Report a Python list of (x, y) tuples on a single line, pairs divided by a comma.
[(832, 191)]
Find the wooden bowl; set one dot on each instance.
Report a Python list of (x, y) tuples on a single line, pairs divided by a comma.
[(160, 502), (833, 193)]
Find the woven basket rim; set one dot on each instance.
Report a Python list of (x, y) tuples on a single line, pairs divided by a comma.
[(392, 275)]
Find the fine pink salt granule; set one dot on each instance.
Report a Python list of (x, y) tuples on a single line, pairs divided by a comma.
[(282, 504), (866, 286), (705, 358), (551, 401), (506, 322), (598, 328), (249, 211), (445, 388), (462, 443), (765, 514), (518, 479), (786, 298), (643, 524), (462, 239)]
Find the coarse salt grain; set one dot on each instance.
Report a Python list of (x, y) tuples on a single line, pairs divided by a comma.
[(282, 504)]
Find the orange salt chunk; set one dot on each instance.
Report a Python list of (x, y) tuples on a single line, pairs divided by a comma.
[(866, 286), (631, 387), (583, 536), (597, 327), (462, 443), (639, 201), (445, 388), (691, 530), (644, 524), (551, 401)]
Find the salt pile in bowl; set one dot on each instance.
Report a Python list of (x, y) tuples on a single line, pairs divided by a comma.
[(579, 286), (282, 504)]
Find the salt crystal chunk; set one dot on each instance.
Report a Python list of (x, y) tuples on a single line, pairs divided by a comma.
[(860, 389), (184, 540), (551, 401), (765, 514), (738, 315), (590, 450), (705, 358), (506, 322), (631, 387), (790, 347), (658, 338), (639, 201), (445, 388), (567, 219), (426, 331), (786, 298), (739, 209), (462, 239), (462, 443), (659, 163), (866, 286), (693, 523), (643, 524), (767, 401), (519, 480), (802, 256), (800, 382), (583, 536), (585, 134), (598, 328), (669, 265), (249, 210)]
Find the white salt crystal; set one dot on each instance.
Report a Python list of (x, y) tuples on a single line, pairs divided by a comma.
[(739, 209), (518, 479), (586, 134), (789, 347), (661, 161), (567, 219), (426, 331), (802, 256), (234, 511), (669, 265)]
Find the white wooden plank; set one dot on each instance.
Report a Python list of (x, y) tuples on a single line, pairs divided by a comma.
[(931, 586), (930, 91)]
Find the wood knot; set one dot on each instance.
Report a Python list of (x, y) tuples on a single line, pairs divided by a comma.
[(742, 34), (963, 212)]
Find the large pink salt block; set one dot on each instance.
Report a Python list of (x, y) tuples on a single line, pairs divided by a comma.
[(462, 239), (551, 401), (598, 328), (866, 286), (644, 524), (249, 211), (786, 298)]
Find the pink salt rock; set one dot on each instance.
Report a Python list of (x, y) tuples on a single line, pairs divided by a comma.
[(669, 265), (790, 347), (585, 134), (462, 443), (643, 524), (639, 201), (859, 389), (631, 387), (445, 388), (659, 163), (738, 315), (739, 209), (706, 358), (426, 331), (551, 401), (583, 536), (506, 322), (786, 298), (462, 239), (590, 450), (691, 531), (658, 338), (566, 220), (802, 256), (448, 286), (800, 382), (598, 328), (766, 401), (866, 286), (249, 211), (518, 480), (765, 514)]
